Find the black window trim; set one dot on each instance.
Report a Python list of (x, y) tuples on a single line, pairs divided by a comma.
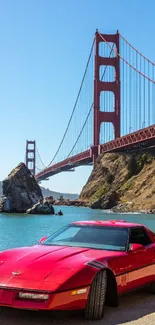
[(140, 227)]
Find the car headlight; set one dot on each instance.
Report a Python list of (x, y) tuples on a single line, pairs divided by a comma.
[(33, 296)]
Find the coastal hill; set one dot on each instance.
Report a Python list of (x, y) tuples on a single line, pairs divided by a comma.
[(122, 181), (56, 195), (47, 192)]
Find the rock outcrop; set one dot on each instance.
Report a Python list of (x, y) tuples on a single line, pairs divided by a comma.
[(122, 182), (107, 201), (41, 208), (77, 203), (20, 191)]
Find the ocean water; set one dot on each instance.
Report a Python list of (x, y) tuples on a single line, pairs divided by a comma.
[(25, 230)]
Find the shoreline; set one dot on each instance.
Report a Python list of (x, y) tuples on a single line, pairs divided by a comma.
[(119, 208)]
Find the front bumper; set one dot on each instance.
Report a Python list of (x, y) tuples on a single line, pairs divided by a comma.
[(56, 301)]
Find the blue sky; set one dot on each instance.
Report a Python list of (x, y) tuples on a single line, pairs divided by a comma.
[(44, 46)]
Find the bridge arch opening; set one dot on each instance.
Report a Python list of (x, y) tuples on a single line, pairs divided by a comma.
[(107, 101), (107, 73), (106, 132), (106, 50)]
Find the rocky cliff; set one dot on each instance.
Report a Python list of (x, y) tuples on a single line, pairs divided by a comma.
[(47, 192), (20, 190), (122, 181)]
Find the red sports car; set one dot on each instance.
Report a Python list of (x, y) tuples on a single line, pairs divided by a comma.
[(84, 265)]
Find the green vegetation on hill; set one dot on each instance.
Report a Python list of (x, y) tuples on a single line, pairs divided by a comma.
[(125, 180)]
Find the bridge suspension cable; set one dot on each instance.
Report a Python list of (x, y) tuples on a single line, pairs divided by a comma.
[(131, 66), (103, 74), (137, 89), (40, 158), (137, 82), (74, 107), (142, 55)]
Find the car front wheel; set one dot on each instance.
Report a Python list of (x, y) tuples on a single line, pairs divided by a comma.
[(96, 298)]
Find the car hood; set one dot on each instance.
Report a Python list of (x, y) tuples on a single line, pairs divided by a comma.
[(41, 263), (37, 262)]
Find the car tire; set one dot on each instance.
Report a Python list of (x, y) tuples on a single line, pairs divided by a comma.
[(96, 298)]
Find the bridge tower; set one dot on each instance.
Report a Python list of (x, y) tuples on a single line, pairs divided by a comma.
[(31, 156), (99, 86)]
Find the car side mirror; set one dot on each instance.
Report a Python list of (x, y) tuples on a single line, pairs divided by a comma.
[(42, 239), (136, 247)]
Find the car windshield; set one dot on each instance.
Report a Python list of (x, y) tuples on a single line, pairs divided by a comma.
[(96, 237)]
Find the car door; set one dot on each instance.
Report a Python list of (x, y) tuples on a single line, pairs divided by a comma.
[(141, 262)]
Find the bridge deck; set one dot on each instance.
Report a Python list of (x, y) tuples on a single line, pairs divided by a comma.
[(139, 139), (83, 158)]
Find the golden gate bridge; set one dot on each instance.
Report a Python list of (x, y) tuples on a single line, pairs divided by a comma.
[(114, 109)]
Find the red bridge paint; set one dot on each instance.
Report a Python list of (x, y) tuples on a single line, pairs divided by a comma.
[(132, 141), (142, 138)]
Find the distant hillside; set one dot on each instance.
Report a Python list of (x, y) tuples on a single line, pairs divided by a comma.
[(1, 188), (47, 192), (56, 195)]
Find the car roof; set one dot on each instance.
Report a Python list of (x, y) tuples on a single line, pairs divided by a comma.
[(108, 223)]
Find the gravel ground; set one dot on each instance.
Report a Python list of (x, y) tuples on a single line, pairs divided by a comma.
[(135, 309)]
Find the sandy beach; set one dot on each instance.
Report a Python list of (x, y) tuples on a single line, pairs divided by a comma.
[(135, 309)]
